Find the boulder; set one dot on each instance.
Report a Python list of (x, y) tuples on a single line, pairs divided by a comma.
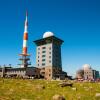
[(40, 87), (97, 95), (25, 99), (58, 97), (75, 89), (63, 84)]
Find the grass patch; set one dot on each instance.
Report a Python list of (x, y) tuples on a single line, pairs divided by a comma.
[(18, 89)]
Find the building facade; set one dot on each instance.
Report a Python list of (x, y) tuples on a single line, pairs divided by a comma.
[(48, 56), (87, 73), (20, 72)]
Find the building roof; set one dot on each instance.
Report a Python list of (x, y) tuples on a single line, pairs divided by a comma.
[(51, 39), (86, 67)]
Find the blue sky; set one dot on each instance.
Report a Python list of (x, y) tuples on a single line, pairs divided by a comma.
[(77, 22)]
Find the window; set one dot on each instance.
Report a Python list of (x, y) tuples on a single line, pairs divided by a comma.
[(43, 64), (38, 52), (49, 56), (38, 60), (38, 56), (49, 52), (49, 61), (49, 48), (38, 64), (43, 59), (49, 70), (38, 48), (43, 47), (43, 51), (43, 55)]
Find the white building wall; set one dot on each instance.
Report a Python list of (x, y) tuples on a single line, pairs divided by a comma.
[(44, 55), (88, 74), (51, 53)]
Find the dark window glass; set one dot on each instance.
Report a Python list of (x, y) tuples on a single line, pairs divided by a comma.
[(38, 48), (49, 48), (49, 56), (43, 64), (43, 47), (49, 61), (43, 59), (43, 51), (49, 52), (43, 55)]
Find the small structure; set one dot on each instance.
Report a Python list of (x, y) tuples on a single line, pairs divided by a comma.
[(87, 73), (20, 72)]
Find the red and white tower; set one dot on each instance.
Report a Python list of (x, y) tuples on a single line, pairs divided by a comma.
[(25, 37), (25, 56)]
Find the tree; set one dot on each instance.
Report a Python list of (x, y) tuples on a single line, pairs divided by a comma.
[(80, 73)]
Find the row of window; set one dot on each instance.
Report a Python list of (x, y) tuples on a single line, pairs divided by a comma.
[(44, 56), (16, 72), (43, 64), (56, 47), (45, 60), (44, 48), (88, 72), (89, 75), (44, 52), (55, 54)]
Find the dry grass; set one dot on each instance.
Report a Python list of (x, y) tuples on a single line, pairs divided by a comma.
[(18, 89)]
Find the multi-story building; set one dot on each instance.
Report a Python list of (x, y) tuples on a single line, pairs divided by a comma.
[(48, 56)]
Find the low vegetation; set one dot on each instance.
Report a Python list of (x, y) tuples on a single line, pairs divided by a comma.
[(19, 89)]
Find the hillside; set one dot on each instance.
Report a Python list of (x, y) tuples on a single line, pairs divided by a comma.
[(18, 89)]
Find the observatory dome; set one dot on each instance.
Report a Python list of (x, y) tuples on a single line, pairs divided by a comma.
[(86, 67), (48, 34)]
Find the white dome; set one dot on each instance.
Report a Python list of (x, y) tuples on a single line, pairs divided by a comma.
[(48, 34), (86, 67)]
